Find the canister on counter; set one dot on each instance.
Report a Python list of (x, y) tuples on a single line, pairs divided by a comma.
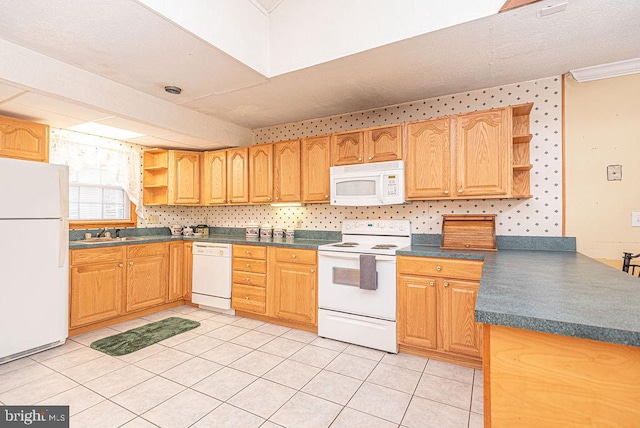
[(266, 231), (278, 232), (252, 231), (291, 233)]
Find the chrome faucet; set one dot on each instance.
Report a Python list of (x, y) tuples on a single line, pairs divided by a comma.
[(101, 233)]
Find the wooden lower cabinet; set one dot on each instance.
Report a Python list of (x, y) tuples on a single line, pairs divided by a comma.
[(296, 291), (249, 279), (176, 271), (249, 298), (96, 292), (187, 270), (110, 282), (436, 304)]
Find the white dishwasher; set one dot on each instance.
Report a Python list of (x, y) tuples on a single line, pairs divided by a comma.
[(212, 275)]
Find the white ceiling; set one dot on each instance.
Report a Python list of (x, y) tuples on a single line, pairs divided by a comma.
[(126, 43)]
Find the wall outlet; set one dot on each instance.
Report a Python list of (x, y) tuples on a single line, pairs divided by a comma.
[(153, 219), (635, 218)]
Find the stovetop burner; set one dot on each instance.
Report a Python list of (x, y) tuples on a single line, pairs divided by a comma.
[(345, 244), (384, 247)]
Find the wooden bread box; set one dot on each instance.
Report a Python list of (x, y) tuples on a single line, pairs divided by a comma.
[(469, 232)]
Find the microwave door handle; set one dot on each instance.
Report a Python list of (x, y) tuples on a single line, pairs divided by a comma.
[(381, 194)]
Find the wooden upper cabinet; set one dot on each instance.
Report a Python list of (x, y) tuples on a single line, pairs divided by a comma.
[(24, 140), (238, 175), (428, 166), (286, 172), (347, 148), (261, 173), (383, 144), (483, 153), (316, 160), (184, 177), (215, 178)]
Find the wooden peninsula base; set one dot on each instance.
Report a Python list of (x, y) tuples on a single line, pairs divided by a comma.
[(534, 379)]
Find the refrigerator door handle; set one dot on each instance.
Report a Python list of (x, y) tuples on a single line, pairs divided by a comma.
[(63, 179)]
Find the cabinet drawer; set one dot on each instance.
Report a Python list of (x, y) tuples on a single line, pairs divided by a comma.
[(248, 278), (450, 268), (250, 252), (248, 298), (296, 255), (159, 249), (97, 255), (250, 265)]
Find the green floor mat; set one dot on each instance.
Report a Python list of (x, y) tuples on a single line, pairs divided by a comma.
[(141, 337)]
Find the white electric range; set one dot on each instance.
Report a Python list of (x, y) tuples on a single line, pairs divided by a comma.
[(355, 306)]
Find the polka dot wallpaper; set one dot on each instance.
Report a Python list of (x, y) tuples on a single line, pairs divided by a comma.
[(537, 216)]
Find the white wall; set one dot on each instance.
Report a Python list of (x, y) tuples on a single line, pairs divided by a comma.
[(236, 27), (303, 33)]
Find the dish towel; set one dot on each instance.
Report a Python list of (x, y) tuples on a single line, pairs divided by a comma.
[(368, 274)]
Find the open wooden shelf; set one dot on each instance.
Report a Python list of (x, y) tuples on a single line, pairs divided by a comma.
[(522, 109), (522, 167), (522, 139), (521, 159), (155, 177)]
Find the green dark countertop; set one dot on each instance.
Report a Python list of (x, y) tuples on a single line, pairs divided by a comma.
[(559, 292)]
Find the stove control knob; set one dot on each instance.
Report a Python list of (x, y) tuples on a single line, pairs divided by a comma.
[(381, 225)]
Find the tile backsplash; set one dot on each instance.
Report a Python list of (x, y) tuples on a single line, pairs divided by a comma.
[(537, 216)]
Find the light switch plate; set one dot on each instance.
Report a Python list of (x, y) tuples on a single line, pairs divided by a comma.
[(614, 172), (635, 218)]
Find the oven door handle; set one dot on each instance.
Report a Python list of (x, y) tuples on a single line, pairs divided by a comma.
[(354, 256)]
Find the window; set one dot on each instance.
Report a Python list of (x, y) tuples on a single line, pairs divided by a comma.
[(104, 178)]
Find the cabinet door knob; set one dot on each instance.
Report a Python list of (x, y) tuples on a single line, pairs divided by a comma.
[(446, 283), (248, 252), (130, 263), (446, 192), (438, 268), (359, 159), (431, 283), (248, 265), (247, 279), (313, 270), (370, 157), (459, 190), (269, 198), (326, 196), (277, 198), (224, 201), (197, 200), (120, 265), (246, 297), (293, 256)]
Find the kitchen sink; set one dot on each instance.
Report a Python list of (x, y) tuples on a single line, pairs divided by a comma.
[(104, 239)]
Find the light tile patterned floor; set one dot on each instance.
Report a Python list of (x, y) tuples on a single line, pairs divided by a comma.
[(236, 372)]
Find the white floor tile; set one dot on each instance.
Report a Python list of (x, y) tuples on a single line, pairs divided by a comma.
[(16, 364), (198, 345), (477, 400), (292, 374), (172, 341), (143, 353), (248, 323), (164, 360), (78, 399), (182, 410), (257, 363), (405, 361), (68, 346), (88, 338), (131, 324), (334, 345), (103, 415), (207, 326), (382, 402), (226, 416), (438, 414), (262, 398), (72, 358), (227, 332), (159, 316), (274, 329), (118, 381), (300, 335), (93, 369), (226, 353), (315, 356), (446, 391), (306, 411), (282, 347), (253, 339), (476, 420), (23, 376), (361, 351), (37, 390), (450, 371), (224, 383), (139, 423), (477, 377), (350, 418), (350, 365), (192, 371), (147, 395), (393, 377), (333, 387)]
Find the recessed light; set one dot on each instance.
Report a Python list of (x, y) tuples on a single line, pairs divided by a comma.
[(173, 90)]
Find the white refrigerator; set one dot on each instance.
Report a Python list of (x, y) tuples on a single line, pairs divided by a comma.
[(34, 248)]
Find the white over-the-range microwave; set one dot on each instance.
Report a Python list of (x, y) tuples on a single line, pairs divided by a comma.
[(370, 184)]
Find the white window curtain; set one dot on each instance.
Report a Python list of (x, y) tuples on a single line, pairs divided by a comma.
[(80, 151)]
